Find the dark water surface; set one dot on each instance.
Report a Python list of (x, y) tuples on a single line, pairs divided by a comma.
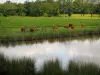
[(87, 49)]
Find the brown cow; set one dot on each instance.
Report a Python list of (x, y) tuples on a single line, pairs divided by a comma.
[(55, 27), (82, 25), (66, 26), (71, 26), (32, 29), (22, 28)]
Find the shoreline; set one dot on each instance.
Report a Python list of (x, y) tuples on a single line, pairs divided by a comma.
[(28, 41)]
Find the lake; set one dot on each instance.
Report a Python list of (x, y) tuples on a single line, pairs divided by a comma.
[(84, 50)]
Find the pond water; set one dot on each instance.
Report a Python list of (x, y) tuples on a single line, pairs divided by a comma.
[(87, 50)]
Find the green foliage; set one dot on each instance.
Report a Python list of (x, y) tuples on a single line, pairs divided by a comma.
[(9, 9), (45, 15), (51, 7), (21, 10), (69, 12), (1, 14)]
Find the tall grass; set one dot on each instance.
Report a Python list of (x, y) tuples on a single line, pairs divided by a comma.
[(3, 65), (27, 67), (23, 66), (83, 68), (51, 68)]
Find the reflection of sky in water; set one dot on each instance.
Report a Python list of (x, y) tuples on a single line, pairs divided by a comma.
[(81, 50)]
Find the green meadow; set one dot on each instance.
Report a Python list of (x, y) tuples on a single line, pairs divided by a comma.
[(10, 27)]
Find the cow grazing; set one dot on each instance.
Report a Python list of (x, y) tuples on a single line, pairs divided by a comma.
[(82, 25), (66, 26), (32, 29), (71, 26), (22, 28), (55, 27)]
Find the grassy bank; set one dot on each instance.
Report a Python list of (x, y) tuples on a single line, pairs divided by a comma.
[(27, 67), (10, 27)]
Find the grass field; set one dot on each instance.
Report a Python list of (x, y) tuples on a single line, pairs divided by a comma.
[(10, 27), (26, 66)]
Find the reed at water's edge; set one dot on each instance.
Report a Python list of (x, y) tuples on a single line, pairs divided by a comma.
[(52, 40), (26, 66), (49, 34)]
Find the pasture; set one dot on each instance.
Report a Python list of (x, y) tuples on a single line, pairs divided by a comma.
[(10, 27)]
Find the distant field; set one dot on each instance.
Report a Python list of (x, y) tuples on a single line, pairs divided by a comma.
[(10, 26)]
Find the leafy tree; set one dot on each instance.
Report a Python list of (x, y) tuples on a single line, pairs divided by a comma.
[(1, 12), (21, 11), (50, 8), (35, 10), (27, 6), (91, 5), (51, 1), (69, 7), (76, 6), (9, 9), (98, 9), (69, 12)]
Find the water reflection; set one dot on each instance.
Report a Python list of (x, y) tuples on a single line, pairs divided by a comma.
[(85, 50), (81, 38)]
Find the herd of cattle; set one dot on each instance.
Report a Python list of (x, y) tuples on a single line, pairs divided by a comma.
[(70, 26)]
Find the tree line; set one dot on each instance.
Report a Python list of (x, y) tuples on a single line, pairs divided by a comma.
[(50, 8)]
